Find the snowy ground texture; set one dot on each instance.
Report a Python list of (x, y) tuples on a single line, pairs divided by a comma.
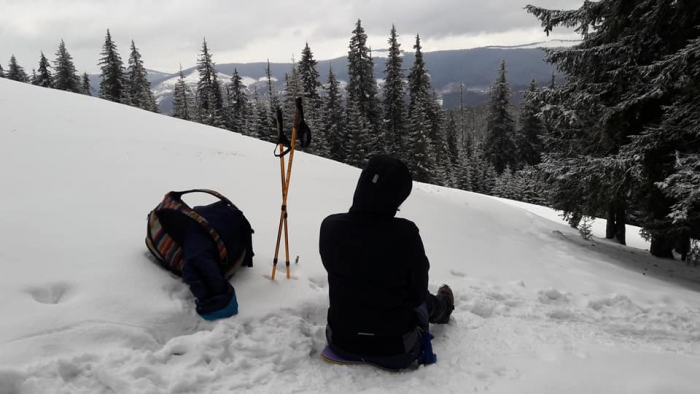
[(84, 310)]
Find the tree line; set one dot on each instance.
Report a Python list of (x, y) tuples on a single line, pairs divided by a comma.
[(403, 118), (455, 148), (127, 85)]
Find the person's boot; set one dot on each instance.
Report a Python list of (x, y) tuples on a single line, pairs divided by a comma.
[(447, 299)]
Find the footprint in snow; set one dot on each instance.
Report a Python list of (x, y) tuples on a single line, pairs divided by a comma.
[(458, 274), (49, 294), (318, 282)]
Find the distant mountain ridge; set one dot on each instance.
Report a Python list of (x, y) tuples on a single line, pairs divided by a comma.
[(476, 68)]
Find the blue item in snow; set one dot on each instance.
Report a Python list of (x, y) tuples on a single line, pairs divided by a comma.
[(426, 356), (228, 311)]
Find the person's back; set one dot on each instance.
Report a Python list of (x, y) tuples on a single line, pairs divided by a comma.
[(377, 270)]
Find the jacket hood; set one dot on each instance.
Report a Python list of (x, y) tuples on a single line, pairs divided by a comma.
[(384, 185)]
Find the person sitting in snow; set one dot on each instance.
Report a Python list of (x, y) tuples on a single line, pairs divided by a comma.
[(215, 298), (380, 306)]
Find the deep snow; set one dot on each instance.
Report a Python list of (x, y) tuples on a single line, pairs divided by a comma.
[(84, 309)]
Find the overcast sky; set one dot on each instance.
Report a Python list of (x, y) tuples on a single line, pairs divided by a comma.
[(170, 32)]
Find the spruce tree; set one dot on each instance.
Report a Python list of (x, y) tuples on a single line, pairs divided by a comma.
[(44, 77), (65, 76), (293, 89), (182, 99), (272, 98), (87, 89), (419, 144), (611, 151), (2, 72), (418, 78), (394, 99), (453, 151), (463, 173), (500, 147), (16, 72), (528, 137), (209, 96), (309, 78), (678, 136), (139, 86), (273, 102), (310, 83), (237, 104), (438, 139), (362, 90), (333, 126), (262, 123), (112, 84), (34, 79), (357, 130)]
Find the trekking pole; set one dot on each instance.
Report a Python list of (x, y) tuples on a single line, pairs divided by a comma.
[(300, 129)]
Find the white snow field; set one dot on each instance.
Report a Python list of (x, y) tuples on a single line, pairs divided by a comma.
[(85, 310)]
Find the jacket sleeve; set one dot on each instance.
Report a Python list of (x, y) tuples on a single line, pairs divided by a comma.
[(202, 273), (418, 267)]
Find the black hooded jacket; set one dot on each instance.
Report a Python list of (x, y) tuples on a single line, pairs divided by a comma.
[(377, 268)]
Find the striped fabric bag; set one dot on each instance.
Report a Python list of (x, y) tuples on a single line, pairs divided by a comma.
[(167, 224)]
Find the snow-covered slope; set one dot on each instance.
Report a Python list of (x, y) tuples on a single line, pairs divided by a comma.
[(84, 310)]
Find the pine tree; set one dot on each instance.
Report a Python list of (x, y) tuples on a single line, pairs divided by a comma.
[(2, 72), (16, 72), (34, 79), (44, 77), (453, 151), (438, 138), (112, 84), (463, 173), (528, 137), (418, 78), (237, 104), (272, 97), (310, 83), (293, 89), (273, 102), (139, 85), (263, 127), (182, 99), (394, 96), (500, 147), (87, 89), (419, 144), (679, 130), (66, 77), (309, 78), (333, 126), (611, 150), (356, 136), (209, 96), (362, 90), (505, 185)]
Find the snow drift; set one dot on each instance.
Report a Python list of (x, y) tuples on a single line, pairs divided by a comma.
[(538, 310)]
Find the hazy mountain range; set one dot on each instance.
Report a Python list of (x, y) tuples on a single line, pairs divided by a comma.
[(475, 68)]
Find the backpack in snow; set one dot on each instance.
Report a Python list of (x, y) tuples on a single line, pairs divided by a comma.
[(168, 222)]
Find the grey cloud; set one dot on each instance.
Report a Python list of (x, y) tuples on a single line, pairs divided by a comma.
[(170, 32)]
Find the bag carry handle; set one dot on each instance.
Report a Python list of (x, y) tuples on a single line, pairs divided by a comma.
[(178, 195)]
